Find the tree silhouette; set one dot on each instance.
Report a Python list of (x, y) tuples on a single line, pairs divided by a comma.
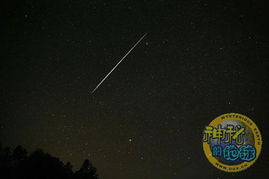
[(87, 171), (19, 153), (17, 164)]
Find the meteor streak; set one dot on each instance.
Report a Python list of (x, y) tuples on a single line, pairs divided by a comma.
[(119, 63)]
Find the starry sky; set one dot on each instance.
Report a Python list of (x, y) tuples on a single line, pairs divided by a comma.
[(200, 59)]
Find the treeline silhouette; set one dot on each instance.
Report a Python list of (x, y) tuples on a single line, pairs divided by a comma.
[(18, 164)]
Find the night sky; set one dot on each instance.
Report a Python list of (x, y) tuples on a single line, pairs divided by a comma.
[(200, 59)]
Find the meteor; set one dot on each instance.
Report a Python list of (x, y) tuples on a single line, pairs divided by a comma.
[(119, 63)]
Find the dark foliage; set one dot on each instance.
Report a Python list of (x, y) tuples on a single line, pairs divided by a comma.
[(17, 164)]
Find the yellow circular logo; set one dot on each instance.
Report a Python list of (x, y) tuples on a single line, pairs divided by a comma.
[(232, 142)]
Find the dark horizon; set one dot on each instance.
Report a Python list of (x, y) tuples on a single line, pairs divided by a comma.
[(18, 163)]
